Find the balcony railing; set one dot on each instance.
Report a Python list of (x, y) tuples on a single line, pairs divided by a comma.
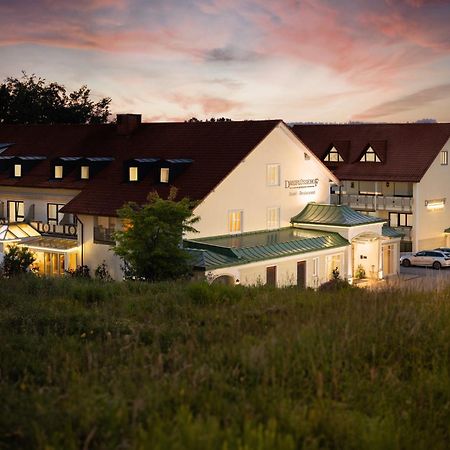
[(104, 235), (373, 203), (52, 229)]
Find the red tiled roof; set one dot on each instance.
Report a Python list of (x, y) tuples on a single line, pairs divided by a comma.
[(406, 150), (216, 148)]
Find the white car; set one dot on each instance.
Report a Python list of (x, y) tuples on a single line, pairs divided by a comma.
[(434, 258)]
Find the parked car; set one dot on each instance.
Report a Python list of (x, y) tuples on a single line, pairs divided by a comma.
[(434, 258)]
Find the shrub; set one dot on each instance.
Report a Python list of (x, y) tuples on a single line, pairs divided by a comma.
[(17, 260), (102, 272), (79, 272)]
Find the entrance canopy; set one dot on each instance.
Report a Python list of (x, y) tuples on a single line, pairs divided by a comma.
[(17, 232), (51, 244)]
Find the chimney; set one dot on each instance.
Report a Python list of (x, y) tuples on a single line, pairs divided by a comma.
[(127, 123)]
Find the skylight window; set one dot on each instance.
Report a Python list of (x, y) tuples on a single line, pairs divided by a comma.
[(133, 173), (333, 156), (58, 172), (164, 176), (370, 156), (17, 170), (84, 173)]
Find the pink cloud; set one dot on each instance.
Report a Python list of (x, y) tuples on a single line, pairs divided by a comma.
[(207, 104)]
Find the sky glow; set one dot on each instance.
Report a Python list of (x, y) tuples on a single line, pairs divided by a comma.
[(298, 60)]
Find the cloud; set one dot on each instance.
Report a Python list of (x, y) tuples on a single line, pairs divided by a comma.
[(406, 103), (207, 104), (231, 54)]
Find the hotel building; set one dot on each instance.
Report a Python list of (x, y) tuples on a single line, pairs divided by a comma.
[(263, 198)]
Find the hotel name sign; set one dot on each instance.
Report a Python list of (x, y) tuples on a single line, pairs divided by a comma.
[(302, 186)]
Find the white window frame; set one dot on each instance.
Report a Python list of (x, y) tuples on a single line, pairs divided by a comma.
[(273, 174), (232, 229), (164, 175), (444, 158), (58, 172), (84, 172), (373, 157), (133, 173), (17, 170), (273, 222), (315, 266), (333, 156)]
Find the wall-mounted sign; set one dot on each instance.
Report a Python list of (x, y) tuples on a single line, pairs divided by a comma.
[(302, 183)]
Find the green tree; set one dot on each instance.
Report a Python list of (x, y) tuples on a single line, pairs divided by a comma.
[(30, 100), (17, 260), (151, 242)]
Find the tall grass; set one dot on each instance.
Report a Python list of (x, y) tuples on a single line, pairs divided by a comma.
[(191, 366)]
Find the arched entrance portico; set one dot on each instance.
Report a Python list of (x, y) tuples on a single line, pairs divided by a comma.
[(224, 279), (366, 256)]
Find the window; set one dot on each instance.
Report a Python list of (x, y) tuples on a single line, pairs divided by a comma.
[(273, 218), (58, 172), (235, 221), (164, 176), (17, 170), (444, 158), (400, 220), (271, 275), (333, 156), (315, 267), (104, 228), (16, 211), (273, 174), (84, 175), (53, 214), (370, 156), (133, 173), (334, 266)]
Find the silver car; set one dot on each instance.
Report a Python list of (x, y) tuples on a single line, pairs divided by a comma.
[(434, 258)]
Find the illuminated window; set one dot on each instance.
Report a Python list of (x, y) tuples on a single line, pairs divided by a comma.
[(273, 218), (58, 172), (16, 211), (85, 172), (235, 221), (370, 156), (273, 174), (400, 220), (53, 214), (444, 158), (18, 170), (333, 156), (164, 176), (133, 174)]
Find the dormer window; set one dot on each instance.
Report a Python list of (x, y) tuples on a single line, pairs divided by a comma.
[(84, 174), (370, 156), (164, 175), (17, 170), (333, 156), (58, 173), (133, 173)]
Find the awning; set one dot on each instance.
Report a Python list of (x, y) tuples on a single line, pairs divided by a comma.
[(17, 231), (51, 244)]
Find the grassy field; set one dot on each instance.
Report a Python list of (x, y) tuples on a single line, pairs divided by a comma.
[(176, 366)]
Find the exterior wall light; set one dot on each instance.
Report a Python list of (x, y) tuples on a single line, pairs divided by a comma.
[(435, 204)]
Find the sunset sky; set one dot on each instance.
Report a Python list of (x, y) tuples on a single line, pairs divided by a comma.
[(303, 60)]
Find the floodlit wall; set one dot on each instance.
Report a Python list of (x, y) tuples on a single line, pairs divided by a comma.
[(256, 273), (94, 253), (246, 187), (430, 223)]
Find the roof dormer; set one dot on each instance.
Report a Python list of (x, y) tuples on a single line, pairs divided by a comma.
[(333, 155), (370, 156), (18, 166), (136, 169)]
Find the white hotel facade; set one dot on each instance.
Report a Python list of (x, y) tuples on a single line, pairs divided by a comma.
[(263, 198)]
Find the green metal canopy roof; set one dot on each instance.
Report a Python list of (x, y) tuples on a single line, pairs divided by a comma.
[(223, 251), (391, 232), (339, 215)]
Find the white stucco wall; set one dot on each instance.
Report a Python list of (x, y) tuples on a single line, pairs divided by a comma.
[(429, 225), (255, 273), (246, 188)]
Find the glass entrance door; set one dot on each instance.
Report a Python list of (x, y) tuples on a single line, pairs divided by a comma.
[(53, 264)]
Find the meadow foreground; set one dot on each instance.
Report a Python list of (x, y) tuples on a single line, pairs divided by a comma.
[(190, 366)]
